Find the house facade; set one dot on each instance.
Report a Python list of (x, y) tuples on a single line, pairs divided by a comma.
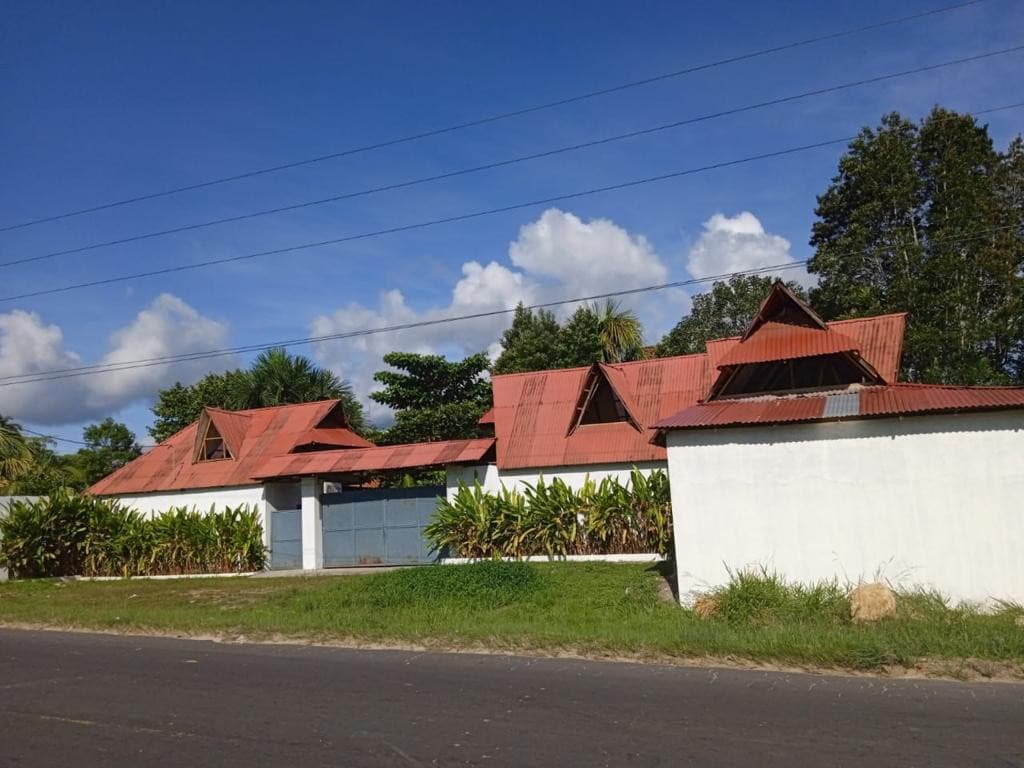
[(808, 457)]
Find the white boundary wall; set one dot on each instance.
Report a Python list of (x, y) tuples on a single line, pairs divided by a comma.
[(153, 503), (491, 478), (935, 501)]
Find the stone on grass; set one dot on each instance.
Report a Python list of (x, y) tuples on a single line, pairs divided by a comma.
[(871, 602)]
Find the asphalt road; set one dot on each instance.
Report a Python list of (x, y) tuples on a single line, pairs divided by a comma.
[(94, 700)]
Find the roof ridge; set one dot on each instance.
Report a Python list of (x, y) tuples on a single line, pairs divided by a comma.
[(648, 361)]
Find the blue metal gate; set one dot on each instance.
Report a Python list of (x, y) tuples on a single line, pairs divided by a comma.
[(382, 526), (285, 539)]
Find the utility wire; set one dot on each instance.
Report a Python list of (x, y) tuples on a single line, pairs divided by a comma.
[(88, 370), (457, 218), (500, 116), (68, 439), (515, 160)]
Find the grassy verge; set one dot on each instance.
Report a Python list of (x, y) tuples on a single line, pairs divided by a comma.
[(588, 608)]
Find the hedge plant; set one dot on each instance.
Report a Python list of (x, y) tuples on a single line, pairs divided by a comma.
[(551, 518), (75, 535)]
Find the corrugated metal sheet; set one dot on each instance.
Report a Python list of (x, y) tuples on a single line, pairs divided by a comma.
[(376, 459), (534, 412), (341, 438), (868, 402), (846, 404), (269, 432), (780, 341), (879, 340)]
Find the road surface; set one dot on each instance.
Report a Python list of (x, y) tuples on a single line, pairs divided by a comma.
[(96, 700)]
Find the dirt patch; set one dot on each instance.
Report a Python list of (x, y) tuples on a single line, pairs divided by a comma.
[(225, 599)]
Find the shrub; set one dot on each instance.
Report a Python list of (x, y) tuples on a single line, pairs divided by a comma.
[(550, 518), (761, 597), (72, 535)]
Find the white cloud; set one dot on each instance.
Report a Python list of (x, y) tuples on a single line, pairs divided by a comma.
[(555, 257), (166, 327), (739, 243)]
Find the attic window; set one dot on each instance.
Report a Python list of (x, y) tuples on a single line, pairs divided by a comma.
[(599, 403), (213, 447)]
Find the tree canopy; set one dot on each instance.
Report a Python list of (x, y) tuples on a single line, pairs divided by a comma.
[(725, 310), (593, 333), (274, 378), (433, 398), (929, 219)]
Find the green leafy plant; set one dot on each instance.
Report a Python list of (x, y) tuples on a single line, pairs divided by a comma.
[(68, 534), (551, 518)]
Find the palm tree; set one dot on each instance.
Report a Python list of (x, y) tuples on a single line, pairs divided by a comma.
[(620, 331), (278, 378), (15, 452)]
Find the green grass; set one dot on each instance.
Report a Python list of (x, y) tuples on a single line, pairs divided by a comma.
[(589, 608)]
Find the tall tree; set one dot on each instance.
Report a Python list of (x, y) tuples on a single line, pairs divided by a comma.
[(530, 344), (109, 446), (275, 378), (579, 340), (433, 398), (926, 219), (725, 310)]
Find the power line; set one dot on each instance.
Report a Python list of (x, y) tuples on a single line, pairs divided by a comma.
[(498, 116), (456, 218), (516, 160), (88, 370), (67, 439)]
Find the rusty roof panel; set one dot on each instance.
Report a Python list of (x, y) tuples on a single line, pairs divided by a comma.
[(378, 458), (780, 341), (867, 402), (534, 411)]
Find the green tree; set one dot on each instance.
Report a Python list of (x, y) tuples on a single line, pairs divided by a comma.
[(15, 452), (109, 446), (579, 340), (49, 472), (619, 331), (530, 344), (726, 310), (274, 378), (433, 398), (927, 219)]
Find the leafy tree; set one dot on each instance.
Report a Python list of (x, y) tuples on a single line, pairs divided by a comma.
[(109, 446), (179, 405), (49, 473), (927, 219), (594, 333), (619, 331), (433, 398), (15, 452), (530, 344), (725, 310), (274, 378), (579, 340)]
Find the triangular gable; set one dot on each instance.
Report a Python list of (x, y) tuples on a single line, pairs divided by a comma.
[(331, 417), (225, 426), (604, 398), (784, 306)]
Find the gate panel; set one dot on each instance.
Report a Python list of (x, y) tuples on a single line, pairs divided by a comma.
[(378, 527), (285, 539)]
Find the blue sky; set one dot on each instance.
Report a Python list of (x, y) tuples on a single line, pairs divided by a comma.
[(100, 101)]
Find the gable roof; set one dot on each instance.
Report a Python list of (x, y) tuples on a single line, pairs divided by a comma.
[(534, 412), (252, 436)]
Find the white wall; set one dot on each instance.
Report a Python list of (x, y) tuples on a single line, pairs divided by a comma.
[(153, 503), (492, 479), (930, 500)]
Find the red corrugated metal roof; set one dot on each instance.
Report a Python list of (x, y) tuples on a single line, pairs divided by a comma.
[(487, 418), (336, 436), (781, 341), (879, 341), (377, 458), (269, 432), (534, 412), (856, 403)]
